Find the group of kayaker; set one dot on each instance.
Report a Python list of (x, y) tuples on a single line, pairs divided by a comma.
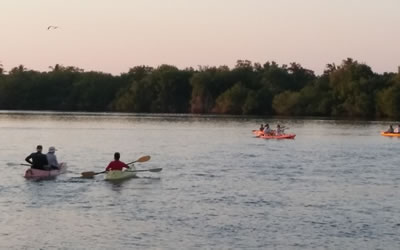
[(391, 130), (268, 131), (48, 161), (38, 160)]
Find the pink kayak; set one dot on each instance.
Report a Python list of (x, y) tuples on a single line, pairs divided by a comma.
[(282, 136), (33, 173)]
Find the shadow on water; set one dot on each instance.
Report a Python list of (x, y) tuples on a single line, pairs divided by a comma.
[(118, 185), (40, 179)]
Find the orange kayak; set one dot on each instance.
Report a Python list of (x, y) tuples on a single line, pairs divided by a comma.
[(390, 134), (282, 136), (260, 134)]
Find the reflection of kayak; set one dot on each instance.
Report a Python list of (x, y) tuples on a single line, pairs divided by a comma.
[(282, 136), (33, 173), (390, 134), (120, 175)]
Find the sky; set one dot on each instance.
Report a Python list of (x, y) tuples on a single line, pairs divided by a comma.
[(113, 36)]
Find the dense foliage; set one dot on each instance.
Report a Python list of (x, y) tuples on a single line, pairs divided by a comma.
[(351, 89)]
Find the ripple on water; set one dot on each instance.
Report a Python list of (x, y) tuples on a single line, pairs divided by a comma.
[(220, 187)]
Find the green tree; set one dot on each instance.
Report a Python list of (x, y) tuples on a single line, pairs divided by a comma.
[(138, 98), (316, 99), (388, 99), (353, 84), (94, 91), (232, 100), (166, 90), (275, 78), (286, 103), (207, 84), (258, 102), (202, 99), (173, 89)]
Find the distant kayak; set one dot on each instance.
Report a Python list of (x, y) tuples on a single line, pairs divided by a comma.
[(390, 134), (282, 136), (33, 173), (260, 134)]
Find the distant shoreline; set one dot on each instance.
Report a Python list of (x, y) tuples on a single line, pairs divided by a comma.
[(186, 115), (347, 91)]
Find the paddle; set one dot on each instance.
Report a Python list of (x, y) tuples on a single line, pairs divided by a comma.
[(26, 164), (145, 170), (141, 159), (90, 174)]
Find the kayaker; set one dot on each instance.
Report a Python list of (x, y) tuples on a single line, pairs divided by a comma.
[(279, 130), (267, 130), (116, 164), (390, 130), (262, 127), (397, 130), (37, 159), (52, 158)]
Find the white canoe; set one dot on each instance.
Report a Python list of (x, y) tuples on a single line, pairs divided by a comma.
[(120, 175)]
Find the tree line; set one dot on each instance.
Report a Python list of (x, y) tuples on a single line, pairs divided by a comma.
[(350, 89)]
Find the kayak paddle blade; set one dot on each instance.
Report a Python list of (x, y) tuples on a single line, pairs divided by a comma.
[(155, 170), (89, 174), (141, 159)]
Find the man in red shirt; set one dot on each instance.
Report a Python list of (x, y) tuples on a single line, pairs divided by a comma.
[(116, 164)]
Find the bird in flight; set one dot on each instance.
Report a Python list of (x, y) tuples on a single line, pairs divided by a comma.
[(52, 27)]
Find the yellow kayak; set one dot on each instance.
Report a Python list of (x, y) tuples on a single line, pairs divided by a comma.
[(120, 175), (390, 134)]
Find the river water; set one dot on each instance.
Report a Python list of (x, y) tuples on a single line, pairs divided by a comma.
[(335, 186)]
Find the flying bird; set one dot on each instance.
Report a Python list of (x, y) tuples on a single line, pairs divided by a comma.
[(52, 27)]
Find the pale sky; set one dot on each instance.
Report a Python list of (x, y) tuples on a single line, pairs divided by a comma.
[(114, 35)]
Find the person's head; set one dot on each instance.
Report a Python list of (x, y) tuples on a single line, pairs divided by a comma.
[(39, 148), (279, 126), (116, 156), (52, 149), (391, 125)]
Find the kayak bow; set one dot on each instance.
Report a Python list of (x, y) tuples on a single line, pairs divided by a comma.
[(390, 134)]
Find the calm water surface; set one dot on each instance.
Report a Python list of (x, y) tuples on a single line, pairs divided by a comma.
[(336, 186)]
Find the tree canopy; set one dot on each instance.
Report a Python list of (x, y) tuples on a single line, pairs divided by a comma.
[(350, 89)]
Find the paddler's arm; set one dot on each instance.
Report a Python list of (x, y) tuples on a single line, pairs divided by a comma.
[(108, 167), (56, 161), (28, 159)]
